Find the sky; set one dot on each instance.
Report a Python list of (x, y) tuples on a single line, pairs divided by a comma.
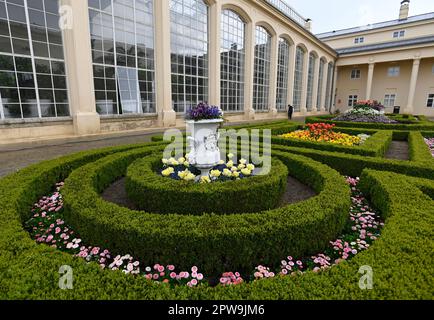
[(329, 15)]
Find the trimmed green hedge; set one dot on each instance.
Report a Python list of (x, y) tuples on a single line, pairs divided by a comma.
[(376, 146), (236, 242), (420, 126), (419, 150), (154, 193), (401, 259), (353, 165)]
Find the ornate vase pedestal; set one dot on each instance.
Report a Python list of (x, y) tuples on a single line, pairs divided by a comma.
[(203, 141)]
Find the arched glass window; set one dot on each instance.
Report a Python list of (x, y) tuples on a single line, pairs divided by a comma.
[(122, 40), (329, 86), (282, 74), (310, 79), (261, 80), (189, 45), (298, 78), (32, 68), (232, 58), (320, 84)]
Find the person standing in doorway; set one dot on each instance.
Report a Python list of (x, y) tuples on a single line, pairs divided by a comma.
[(290, 111)]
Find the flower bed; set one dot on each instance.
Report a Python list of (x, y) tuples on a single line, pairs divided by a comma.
[(236, 240), (30, 271), (47, 226), (370, 111), (430, 144), (153, 192), (180, 169), (322, 132)]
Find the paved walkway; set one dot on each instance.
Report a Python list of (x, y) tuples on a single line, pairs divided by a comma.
[(18, 156)]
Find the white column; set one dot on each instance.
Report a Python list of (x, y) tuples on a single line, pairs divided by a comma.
[(291, 75), (370, 80), (413, 83), (249, 112), (79, 68), (273, 75), (315, 86), (215, 12), (324, 87), (335, 81), (163, 74), (303, 108)]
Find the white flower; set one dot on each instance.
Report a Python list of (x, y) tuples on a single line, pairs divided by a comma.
[(165, 161)]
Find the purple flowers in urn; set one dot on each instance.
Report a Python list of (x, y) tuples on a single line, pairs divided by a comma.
[(203, 111)]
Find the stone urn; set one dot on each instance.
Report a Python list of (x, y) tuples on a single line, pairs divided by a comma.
[(203, 142)]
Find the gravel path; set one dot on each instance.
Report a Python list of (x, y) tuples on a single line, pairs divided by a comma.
[(295, 192), (398, 150)]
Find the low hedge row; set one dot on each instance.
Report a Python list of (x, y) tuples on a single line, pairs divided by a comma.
[(401, 258), (376, 146), (419, 150), (214, 243), (420, 126), (353, 165), (154, 193)]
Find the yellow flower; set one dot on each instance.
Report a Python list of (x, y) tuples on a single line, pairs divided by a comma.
[(189, 177), (230, 156), (205, 180), (221, 162), (165, 161), (230, 164), (243, 161), (251, 167), (186, 164), (168, 172), (246, 172), (236, 174), (183, 174), (234, 169), (181, 160), (215, 173), (227, 173)]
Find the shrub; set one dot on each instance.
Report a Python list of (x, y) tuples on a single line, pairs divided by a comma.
[(154, 193), (238, 241)]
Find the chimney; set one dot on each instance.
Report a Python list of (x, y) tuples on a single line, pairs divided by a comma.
[(405, 8), (308, 25)]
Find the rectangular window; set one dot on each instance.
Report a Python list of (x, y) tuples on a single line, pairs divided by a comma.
[(355, 74), (389, 100), (430, 102), (352, 100), (393, 71), (359, 40), (399, 34)]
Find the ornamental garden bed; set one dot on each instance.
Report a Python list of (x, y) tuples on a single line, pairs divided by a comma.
[(237, 251)]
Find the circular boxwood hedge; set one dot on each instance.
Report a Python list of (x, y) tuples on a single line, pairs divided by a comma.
[(154, 193), (212, 242), (401, 259)]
